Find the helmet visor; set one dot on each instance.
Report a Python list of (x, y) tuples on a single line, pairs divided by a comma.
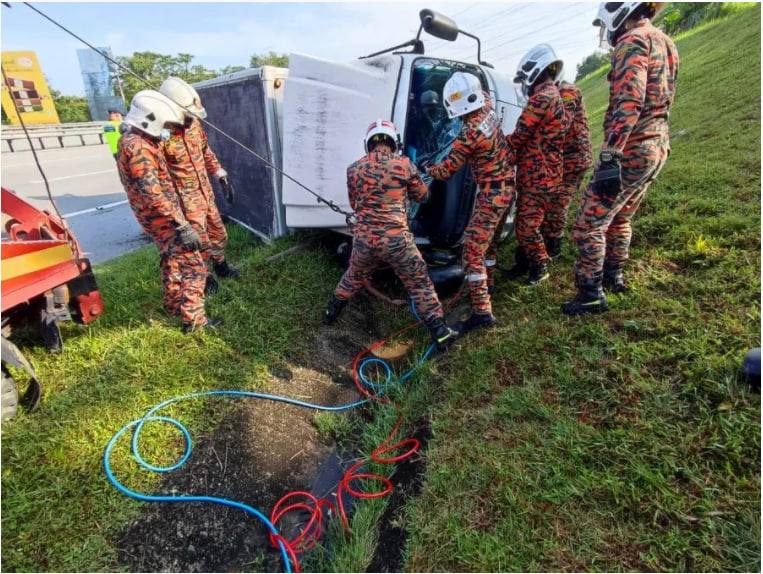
[(604, 38)]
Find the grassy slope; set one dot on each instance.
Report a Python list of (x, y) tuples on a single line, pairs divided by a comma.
[(58, 511), (623, 442)]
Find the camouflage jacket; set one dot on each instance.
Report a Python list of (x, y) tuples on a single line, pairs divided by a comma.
[(642, 85), (539, 137), (150, 191), (482, 145), (190, 159), (380, 187), (577, 142)]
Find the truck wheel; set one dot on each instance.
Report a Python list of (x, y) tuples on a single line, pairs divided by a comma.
[(10, 396)]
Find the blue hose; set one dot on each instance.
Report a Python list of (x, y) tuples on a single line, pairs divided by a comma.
[(378, 387)]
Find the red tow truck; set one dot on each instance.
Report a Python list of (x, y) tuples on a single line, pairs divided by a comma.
[(45, 280)]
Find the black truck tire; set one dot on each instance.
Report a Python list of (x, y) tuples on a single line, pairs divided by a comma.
[(10, 396)]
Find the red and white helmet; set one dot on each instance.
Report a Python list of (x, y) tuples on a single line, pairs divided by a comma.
[(382, 131)]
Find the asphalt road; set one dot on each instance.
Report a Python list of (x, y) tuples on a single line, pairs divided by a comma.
[(80, 178)]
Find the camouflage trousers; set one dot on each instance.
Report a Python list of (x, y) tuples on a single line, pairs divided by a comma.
[(372, 248), (184, 275), (201, 212), (536, 204), (555, 217), (481, 239), (602, 230)]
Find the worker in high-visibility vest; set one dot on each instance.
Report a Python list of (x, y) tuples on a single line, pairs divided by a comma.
[(111, 131)]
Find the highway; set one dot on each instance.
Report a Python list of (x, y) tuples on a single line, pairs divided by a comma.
[(81, 178)]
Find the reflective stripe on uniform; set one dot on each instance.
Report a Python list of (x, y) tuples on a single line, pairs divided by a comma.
[(489, 262), (476, 277)]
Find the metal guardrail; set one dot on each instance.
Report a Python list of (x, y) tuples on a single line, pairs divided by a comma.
[(55, 136)]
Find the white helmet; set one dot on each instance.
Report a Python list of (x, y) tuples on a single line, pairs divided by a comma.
[(183, 94), (151, 110), (382, 131), (532, 65), (611, 17), (462, 94)]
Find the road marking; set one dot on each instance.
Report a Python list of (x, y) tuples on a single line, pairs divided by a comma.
[(94, 209), (73, 176)]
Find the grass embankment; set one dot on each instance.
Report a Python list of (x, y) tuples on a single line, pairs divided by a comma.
[(622, 442)]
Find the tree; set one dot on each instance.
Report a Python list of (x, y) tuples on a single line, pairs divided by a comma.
[(269, 59), (681, 16), (156, 68), (70, 108), (591, 63), (231, 69)]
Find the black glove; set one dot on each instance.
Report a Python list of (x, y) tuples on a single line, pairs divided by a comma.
[(228, 191), (607, 182), (188, 237)]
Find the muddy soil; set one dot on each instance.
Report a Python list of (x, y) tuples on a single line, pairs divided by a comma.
[(260, 452)]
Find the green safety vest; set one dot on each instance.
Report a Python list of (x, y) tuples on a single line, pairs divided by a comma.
[(112, 134)]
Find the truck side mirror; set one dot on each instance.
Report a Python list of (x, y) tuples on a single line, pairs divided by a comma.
[(438, 25)]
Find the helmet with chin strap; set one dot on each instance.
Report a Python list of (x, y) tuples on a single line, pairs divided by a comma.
[(151, 111), (382, 132), (612, 15), (537, 60)]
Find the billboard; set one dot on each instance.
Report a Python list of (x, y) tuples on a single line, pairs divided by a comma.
[(100, 79), (27, 88)]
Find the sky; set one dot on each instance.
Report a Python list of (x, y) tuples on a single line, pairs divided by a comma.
[(221, 34)]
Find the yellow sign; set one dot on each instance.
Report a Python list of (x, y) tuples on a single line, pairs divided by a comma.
[(27, 88)]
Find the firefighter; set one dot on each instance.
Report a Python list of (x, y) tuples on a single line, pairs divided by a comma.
[(481, 144), (111, 131), (537, 142), (577, 159), (636, 145), (191, 161), (380, 186), (157, 207)]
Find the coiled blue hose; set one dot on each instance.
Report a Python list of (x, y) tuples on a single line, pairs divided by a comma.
[(151, 416)]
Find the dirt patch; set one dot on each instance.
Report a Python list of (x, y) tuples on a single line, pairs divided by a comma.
[(260, 452), (408, 480)]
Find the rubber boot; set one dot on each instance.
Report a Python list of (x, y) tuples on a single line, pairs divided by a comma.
[(210, 323), (521, 265), (613, 280), (442, 335), (211, 286), (553, 247), (333, 309), (225, 271), (538, 272), (476, 321), (588, 300)]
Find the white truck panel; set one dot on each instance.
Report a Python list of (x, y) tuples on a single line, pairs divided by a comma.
[(326, 110)]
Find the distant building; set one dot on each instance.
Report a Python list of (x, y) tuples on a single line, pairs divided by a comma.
[(101, 80)]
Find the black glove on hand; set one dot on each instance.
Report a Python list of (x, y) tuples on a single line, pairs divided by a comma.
[(228, 191), (606, 179), (188, 237)]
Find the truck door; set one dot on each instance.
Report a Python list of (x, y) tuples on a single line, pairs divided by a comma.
[(327, 109), (507, 105)]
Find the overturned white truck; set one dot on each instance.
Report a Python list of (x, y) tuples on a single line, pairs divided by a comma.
[(310, 121)]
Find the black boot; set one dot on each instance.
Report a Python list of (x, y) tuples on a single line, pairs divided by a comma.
[(210, 323), (538, 272), (521, 265), (553, 247), (212, 286), (225, 271), (442, 335), (589, 299), (613, 280), (476, 321), (333, 309)]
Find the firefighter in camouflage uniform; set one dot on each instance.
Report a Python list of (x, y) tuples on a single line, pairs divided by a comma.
[(191, 161), (577, 159), (538, 142), (482, 145), (636, 145), (152, 196), (381, 186)]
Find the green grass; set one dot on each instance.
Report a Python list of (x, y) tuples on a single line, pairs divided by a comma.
[(621, 442)]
